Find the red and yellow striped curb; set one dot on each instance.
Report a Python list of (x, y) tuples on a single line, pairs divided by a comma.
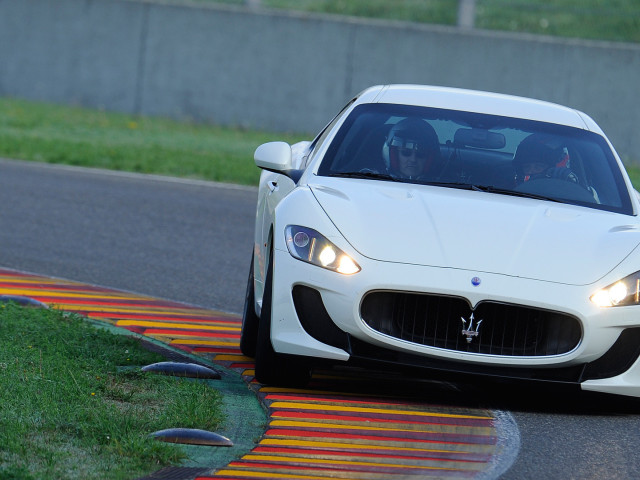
[(327, 431)]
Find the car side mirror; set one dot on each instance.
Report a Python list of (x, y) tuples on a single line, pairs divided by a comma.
[(276, 157)]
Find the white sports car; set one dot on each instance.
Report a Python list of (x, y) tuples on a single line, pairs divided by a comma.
[(457, 231)]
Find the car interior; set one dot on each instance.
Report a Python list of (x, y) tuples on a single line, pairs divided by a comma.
[(479, 151)]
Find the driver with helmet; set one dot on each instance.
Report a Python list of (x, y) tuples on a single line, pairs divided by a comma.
[(538, 156), (411, 149)]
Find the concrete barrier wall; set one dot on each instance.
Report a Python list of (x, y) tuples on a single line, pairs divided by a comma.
[(284, 71)]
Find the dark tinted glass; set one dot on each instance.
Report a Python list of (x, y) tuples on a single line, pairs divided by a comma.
[(456, 149)]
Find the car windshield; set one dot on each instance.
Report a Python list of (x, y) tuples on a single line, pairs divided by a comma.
[(456, 149)]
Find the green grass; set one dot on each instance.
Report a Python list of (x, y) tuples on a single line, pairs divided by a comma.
[(73, 406), (634, 175), (432, 11), (92, 138), (617, 20)]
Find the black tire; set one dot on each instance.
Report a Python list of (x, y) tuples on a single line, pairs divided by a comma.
[(270, 367), (250, 321)]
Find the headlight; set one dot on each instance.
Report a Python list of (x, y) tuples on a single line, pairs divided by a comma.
[(624, 292), (309, 246)]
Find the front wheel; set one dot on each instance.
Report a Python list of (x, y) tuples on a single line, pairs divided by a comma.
[(271, 367), (250, 321)]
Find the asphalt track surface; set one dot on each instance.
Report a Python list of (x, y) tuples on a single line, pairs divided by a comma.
[(190, 242)]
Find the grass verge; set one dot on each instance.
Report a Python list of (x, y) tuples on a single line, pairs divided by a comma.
[(617, 20), (92, 138), (73, 408)]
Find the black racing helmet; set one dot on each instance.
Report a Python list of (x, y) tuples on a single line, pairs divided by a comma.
[(412, 133), (539, 148)]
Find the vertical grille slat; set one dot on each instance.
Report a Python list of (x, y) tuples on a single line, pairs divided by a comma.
[(435, 333), (506, 330), (503, 337), (514, 346)]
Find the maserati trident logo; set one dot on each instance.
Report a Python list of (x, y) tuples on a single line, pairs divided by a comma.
[(471, 332)]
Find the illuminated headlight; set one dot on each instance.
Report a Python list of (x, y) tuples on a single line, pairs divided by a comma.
[(309, 246), (624, 292)]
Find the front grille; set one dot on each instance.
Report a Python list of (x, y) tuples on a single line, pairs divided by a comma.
[(436, 321)]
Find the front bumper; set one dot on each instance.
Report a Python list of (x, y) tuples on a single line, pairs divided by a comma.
[(349, 339)]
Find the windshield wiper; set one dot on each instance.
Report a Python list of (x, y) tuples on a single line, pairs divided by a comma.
[(460, 185), (366, 174), (492, 189), (514, 193)]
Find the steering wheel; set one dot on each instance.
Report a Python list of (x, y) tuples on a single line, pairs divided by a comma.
[(557, 188)]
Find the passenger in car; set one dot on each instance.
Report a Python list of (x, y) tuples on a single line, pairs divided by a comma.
[(411, 150), (540, 156)]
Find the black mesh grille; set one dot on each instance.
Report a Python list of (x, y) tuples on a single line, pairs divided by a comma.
[(437, 321)]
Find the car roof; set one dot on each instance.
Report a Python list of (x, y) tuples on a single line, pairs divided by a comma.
[(479, 102)]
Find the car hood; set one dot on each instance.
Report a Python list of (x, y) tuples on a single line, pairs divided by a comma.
[(477, 231)]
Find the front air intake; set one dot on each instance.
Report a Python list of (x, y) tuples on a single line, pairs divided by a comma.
[(446, 322)]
